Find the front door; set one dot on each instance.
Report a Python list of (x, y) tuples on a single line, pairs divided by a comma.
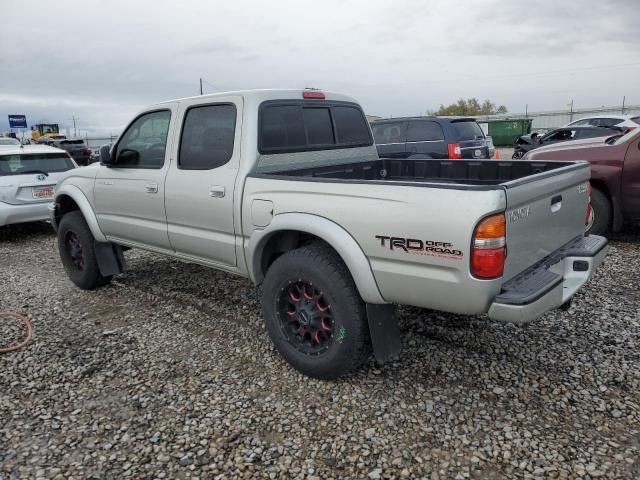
[(200, 186), (129, 194)]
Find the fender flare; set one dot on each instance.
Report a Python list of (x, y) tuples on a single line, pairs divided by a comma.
[(89, 215), (332, 233)]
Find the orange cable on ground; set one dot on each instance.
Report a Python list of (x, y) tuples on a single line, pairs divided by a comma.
[(27, 324)]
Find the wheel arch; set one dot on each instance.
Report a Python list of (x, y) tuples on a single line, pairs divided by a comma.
[(70, 198), (288, 231)]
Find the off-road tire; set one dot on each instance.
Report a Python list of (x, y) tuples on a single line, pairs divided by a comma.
[(602, 213), (88, 277), (350, 345)]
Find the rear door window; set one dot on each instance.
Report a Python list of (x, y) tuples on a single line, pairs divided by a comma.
[(424, 131), (282, 127), (207, 137), (385, 133), (468, 130)]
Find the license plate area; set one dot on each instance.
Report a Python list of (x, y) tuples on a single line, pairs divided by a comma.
[(40, 193)]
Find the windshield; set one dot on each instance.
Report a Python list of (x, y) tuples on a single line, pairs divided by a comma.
[(34, 162), (9, 141), (468, 130), (616, 140)]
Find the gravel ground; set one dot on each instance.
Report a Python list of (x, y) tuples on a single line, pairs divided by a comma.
[(168, 373)]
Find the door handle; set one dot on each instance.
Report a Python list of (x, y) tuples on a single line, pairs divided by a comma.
[(216, 191), (151, 188), (556, 203)]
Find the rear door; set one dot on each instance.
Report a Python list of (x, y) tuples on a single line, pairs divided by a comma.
[(391, 139), (129, 195), (471, 139), (426, 137), (544, 212), (201, 184)]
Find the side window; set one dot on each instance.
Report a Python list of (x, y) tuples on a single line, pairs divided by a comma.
[(351, 126), (145, 141), (207, 137), (424, 131), (605, 122), (390, 132)]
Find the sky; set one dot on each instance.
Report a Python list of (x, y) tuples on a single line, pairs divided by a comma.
[(101, 62)]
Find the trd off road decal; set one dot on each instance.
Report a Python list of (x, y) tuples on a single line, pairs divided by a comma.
[(416, 246)]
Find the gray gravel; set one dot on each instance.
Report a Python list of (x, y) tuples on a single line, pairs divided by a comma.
[(168, 373)]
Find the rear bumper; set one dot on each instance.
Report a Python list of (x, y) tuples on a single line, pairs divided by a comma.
[(10, 214), (550, 283)]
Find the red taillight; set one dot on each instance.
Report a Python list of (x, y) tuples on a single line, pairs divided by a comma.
[(489, 251), (589, 208), (455, 153), (313, 94), (87, 151)]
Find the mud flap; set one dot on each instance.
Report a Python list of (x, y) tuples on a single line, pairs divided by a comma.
[(384, 331), (110, 258)]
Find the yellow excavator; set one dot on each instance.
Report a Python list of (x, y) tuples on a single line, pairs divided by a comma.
[(49, 130)]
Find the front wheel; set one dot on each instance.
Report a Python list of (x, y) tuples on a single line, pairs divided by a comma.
[(314, 314), (77, 252)]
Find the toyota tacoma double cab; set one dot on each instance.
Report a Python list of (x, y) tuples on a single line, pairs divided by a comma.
[(285, 187)]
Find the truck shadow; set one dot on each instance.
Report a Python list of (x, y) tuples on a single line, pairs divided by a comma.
[(25, 231)]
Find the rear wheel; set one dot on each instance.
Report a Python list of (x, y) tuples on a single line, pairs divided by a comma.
[(314, 314), (600, 218), (77, 252)]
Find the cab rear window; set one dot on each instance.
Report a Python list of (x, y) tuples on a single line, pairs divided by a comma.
[(22, 164), (287, 127)]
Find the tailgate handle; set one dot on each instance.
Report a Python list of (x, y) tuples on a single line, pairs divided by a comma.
[(556, 203)]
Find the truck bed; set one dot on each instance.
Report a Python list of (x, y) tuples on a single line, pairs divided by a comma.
[(460, 172)]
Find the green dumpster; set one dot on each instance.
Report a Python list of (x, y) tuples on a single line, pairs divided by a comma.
[(505, 132)]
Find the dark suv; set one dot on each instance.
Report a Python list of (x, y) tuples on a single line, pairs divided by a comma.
[(76, 148), (430, 137)]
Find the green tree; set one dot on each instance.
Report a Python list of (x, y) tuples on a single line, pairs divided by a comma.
[(471, 106)]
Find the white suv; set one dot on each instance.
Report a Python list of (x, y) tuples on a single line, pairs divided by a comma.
[(28, 176), (622, 121)]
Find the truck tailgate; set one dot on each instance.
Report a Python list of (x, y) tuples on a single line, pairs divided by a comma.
[(544, 212)]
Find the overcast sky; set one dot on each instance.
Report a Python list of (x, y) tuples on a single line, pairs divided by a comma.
[(102, 61)]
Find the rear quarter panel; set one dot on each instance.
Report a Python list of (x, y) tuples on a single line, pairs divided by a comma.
[(376, 214)]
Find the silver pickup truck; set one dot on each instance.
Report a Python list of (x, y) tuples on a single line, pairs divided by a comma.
[(285, 187)]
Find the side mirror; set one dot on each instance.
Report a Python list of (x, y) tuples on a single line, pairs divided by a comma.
[(105, 155)]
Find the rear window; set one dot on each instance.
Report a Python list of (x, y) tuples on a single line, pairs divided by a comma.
[(72, 142), (635, 119), (8, 141), (424, 131), (468, 130), (300, 126), (34, 163)]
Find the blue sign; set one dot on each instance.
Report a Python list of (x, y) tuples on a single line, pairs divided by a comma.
[(17, 121)]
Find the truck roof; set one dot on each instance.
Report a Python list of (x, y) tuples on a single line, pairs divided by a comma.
[(261, 95)]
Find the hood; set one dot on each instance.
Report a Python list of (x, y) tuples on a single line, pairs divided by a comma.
[(572, 144)]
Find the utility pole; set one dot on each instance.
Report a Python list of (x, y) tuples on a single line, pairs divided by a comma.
[(624, 97), (526, 111), (75, 132), (200, 86), (571, 111)]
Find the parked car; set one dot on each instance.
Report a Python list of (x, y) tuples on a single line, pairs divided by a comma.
[(49, 138), (8, 142), (28, 175), (623, 121), (615, 176), (76, 148), (430, 137), (286, 187), (526, 143)]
